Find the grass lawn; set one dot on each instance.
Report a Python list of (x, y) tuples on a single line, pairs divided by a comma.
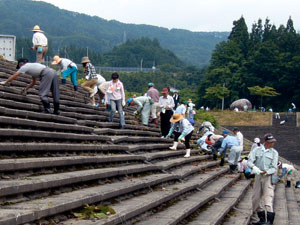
[(242, 118)]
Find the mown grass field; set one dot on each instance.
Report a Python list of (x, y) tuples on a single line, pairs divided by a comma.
[(242, 118)]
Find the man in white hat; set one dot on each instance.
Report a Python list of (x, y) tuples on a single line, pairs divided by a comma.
[(40, 44), (67, 67)]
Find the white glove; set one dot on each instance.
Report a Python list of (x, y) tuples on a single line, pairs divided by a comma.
[(135, 113), (123, 103), (3, 82), (218, 154), (256, 170)]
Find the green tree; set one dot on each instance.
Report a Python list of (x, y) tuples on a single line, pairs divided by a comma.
[(263, 92), (216, 93)]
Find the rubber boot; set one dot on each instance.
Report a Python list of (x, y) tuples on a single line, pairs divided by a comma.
[(188, 153), (174, 147), (63, 81), (262, 218), (75, 88), (56, 109), (215, 157), (46, 107), (222, 162), (288, 183), (232, 168), (270, 217)]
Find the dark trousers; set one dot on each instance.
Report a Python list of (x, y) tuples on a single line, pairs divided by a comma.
[(187, 138), (216, 146), (165, 123), (49, 81)]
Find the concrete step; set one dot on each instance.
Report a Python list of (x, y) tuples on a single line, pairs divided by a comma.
[(48, 126), (167, 154), (280, 205), (14, 165), (110, 131), (241, 214), (293, 207), (216, 212), (33, 147), (30, 211), (136, 206), (179, 211)]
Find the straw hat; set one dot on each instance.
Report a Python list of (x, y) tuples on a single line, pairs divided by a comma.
[(85, 59), (56, 60), (36, 28), (176, 117)]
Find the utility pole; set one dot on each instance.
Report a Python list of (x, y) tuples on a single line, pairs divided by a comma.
[(87, 51), (22, 52), (223, 98), (141, 64)]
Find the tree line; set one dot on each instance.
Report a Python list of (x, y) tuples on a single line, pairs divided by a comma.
[(267, 57)]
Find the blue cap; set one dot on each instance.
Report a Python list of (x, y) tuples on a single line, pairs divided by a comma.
[(150, 84), (248, 171), (129, 100), (225, 132)]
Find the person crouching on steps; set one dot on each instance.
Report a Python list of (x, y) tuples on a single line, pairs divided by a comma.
[(115, 94), (48, 81), (67, 67), (182, 129), (144, 107), (91, 76)]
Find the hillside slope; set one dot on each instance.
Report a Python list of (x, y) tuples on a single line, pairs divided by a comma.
[(65, 27)]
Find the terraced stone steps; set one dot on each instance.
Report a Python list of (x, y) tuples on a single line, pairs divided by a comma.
[(241, 214), (216, 212), (280, 205), (130, 208), (293, 207)]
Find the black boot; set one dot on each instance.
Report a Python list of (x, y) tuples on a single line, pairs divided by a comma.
[(270, 217), (262, 218), (46, 107), (215, 157), (288, 183), (222, 162), (232, 168), (56, 108), (75, 88)]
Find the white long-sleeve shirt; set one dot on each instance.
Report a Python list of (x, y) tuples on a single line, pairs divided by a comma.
[(240, 137), (65, 63), (168, 101), (39, 39)]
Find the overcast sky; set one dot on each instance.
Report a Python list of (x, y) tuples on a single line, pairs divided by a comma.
[(194, 15)]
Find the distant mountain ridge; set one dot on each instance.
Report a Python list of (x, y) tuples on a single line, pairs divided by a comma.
[(65, 27)]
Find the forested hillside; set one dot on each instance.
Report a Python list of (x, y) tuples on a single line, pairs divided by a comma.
[(267, 56), (64, 28)]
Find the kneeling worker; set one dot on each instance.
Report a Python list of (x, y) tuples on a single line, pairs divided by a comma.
[(144, 107), (48, 81), (183, 129)]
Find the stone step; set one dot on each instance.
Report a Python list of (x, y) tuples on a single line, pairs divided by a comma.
[(137, 139), (80, 148), (216, 212), (110, 131), (30, 211), (280, 205), (27, 123), (179, 211), (130, 208), (14, 165), (293, 207), (241, 214), (167, 154)]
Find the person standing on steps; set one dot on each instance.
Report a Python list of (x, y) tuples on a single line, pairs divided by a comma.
[(166, 103), (116, 96), (91, 77), (263, 161), (239, 136), (48, 81), (144, 107), (154, 94), (40, 44), (176, 99), (67, 67), (182, 108), (233, 144), (183, 130)]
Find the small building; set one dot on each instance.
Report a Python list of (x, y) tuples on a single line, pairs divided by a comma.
[(8, 47)]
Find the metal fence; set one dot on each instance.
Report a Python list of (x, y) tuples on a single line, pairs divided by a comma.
[(127, 69)]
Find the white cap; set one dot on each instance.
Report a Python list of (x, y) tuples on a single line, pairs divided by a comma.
[(256, 140)]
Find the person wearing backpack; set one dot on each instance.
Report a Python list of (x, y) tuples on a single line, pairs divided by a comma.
[(182, 129)]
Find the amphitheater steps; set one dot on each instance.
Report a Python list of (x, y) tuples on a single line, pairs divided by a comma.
[(293, 207), (135, 206), (280, 205), (241, 214)]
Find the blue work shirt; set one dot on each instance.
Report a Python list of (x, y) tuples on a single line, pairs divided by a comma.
[(181, 109), (264, 159), (228, 142)]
